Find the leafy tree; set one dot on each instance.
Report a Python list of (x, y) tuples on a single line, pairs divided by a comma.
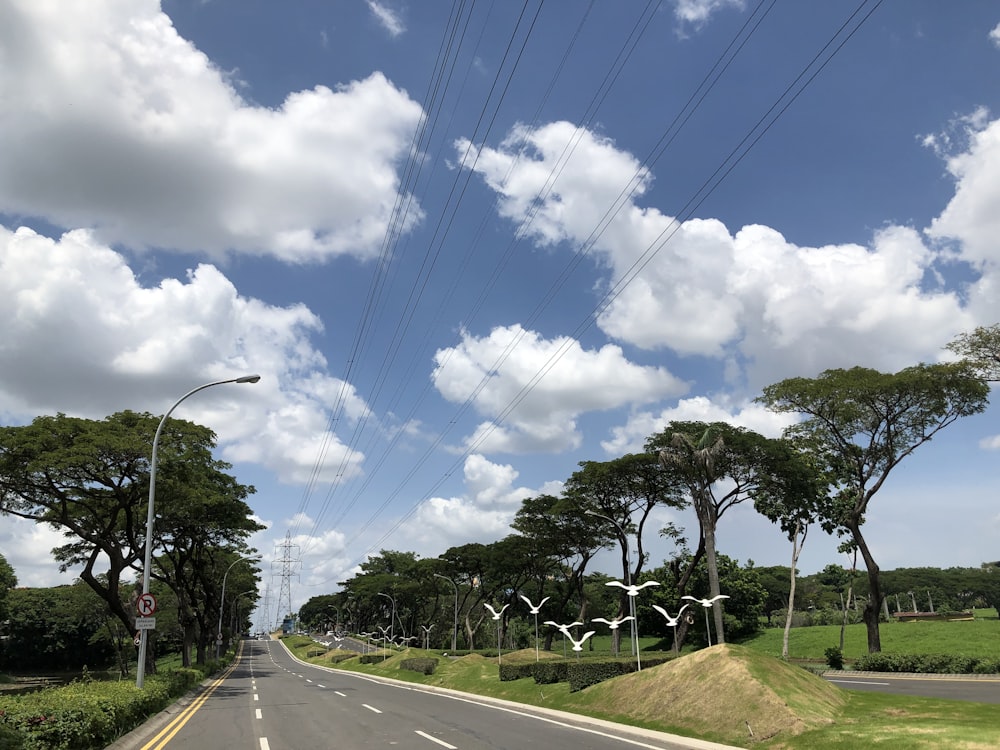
[(720, 466), (861, 424), (624, 492), (8, 580), (981, 350), (91, 479)]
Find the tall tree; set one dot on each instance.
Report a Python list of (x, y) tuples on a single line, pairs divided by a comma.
[(624, 492), (862, 423), (980, 348), (91, 480), (721, 466)]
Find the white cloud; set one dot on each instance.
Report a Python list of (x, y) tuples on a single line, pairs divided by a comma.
[(82, 336), (123, 126), (631, 437), (483, 514), (502, 368), (995, 35), (697, 12), (753, 297), (387, 18), (991, 443)]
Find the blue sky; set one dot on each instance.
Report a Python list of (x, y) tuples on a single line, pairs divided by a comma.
[(470, 245)]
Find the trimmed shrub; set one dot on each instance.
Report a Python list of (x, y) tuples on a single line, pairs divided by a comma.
[(927, 664), (423, 664), (510, 672), (583, 674), (834, 657), (550, 672)]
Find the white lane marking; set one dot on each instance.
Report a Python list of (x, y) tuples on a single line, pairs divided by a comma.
[(259, 714), (371, 708), (264, 744), (442, 743), (256, 697), (322, 686), (860, 682), (308, 680), (342, 695)]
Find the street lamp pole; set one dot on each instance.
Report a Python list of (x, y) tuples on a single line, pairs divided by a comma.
[(140, 671), (392, 618), (454, 626), (634, 623), (222, 600)]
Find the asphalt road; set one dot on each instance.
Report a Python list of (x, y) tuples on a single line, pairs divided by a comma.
[(950, 687), (270, 701)]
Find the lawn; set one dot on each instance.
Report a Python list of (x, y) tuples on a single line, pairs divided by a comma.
[(803, 711)]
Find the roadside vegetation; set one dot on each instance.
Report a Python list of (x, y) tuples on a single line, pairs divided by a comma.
[(733, 694)]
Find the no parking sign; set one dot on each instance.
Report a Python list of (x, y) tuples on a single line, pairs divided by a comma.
[(145, 605)]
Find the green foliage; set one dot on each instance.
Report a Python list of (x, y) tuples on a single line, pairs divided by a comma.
[(517, 671), (834, 657), (550, 672), (927, 664), (88, 714), (584, 673), (424, 665)]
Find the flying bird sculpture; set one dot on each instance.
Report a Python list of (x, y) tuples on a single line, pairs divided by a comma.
[(706, 602), (564, 629), (578, 644), (632, 589), (534, 608), (496, 615), (672, 622), (613, 624)]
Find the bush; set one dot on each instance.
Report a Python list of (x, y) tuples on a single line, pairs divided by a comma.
[(927, 664), (424, 665), (550, 672), (834, 657), (516, 671), (583, 674)]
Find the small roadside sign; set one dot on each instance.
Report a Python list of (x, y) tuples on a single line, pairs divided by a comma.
[(145, 605), (145, 623), (138, 638)]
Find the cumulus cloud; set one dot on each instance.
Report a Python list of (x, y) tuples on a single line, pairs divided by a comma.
[(697, 12), (83, 336), (501, 374), (124, 127), (765, 306), (631, 436), (483, 513), (995, 35)]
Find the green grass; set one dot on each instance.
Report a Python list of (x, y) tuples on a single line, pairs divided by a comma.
[(977, 638), (830, 718)]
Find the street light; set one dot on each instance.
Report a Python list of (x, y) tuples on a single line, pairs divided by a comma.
[(633, 625), (454, 627), (222, 601), (140, 672), (392, 617)]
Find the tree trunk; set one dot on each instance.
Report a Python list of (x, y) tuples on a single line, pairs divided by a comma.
[(870, 614), (713, 581), (796, 549)]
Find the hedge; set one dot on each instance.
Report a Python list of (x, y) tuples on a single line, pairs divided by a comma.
[(424, 665), (926, 664)]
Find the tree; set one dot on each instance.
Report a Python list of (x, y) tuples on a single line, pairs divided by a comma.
[(91, 479), (8, 580), (981, 350), (861, 424), (721, 466), (623, 492)]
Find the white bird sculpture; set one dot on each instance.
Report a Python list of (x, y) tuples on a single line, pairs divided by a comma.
[(534, 608), (632, 589), (578, 644), (564, 629), (706, 602), (613, 624), (671, 621), (496, 615)]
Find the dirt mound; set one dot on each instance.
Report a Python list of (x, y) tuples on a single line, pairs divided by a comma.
[(728, 692)]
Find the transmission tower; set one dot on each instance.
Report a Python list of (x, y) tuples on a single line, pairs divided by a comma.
[(288, 564)]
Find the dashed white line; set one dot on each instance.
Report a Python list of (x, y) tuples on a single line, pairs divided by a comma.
[(260, 715), (371, 708), (442, 743), (308, 680), (264, 744), (342, 695), (860, 682), (256, 697), (322, 686)]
